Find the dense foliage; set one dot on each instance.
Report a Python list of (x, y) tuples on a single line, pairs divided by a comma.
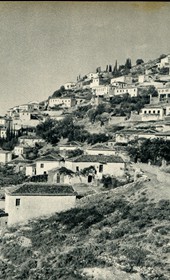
[(154, 150), (123, 105), (8, 176), (52, 131), (10, 141)]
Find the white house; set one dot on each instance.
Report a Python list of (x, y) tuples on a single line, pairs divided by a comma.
[(112, 165), (66, 102), (132, 91), (30, 140), (45, 163), (126, 135), (65, 176), (123, 79), (69, 86), (19, 163), (3, 132), (5, 156), (2, 121), (34, 105), (152, 113), (118, 84), (102, 90), (96, 81), (25, 107), (33, 200), (30, 170), (100, 150), (70, 146), (143, 78), (163, 93), (92, 75), (21, 150), (165, 62)]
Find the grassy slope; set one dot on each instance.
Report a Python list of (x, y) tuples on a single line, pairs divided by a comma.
[(120, 234)]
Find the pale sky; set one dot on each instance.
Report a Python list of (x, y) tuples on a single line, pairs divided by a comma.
[(46, 44)]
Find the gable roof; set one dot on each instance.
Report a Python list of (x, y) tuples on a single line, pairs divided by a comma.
[(49, 158), (41, 189), (97, 158), (19, 159)]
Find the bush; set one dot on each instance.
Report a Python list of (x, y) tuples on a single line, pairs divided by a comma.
[(109, 182)]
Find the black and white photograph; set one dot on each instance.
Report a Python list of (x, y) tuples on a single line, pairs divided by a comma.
[(84, 140)]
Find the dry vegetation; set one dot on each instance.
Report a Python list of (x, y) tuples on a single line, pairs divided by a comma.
[(118, 234)]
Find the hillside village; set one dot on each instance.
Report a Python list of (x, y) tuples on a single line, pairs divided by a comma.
[(87, 134), (97, 153)]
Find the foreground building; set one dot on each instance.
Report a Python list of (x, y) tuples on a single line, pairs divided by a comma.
[(33, 200)]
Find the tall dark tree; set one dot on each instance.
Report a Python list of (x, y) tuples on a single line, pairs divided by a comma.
[(128, 64), (110, 68), (115, 68)]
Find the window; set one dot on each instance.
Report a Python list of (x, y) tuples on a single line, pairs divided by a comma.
[(149, 112), (90, 179), (42, 165), (101, 168), (17, 202), (158, 111), (77, 168), (153, 111), (145, 112)]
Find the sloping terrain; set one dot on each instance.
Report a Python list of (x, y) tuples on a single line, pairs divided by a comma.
[(121, 234)]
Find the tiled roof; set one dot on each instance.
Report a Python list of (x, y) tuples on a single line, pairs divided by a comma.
[(100, 147), (4, 152), (97, 158), (50, 158), (42, 189)]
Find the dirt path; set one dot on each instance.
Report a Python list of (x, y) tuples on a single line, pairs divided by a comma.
[(156, 190)]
